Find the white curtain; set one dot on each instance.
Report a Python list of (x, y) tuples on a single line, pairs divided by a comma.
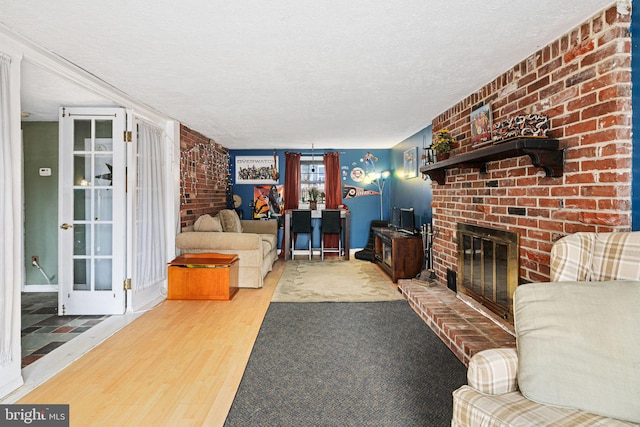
[(9, 224), (151, 198)]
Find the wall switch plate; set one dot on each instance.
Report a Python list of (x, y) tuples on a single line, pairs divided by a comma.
[(44, 171)]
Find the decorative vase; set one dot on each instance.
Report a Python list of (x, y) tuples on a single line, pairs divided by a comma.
[(443, 156)]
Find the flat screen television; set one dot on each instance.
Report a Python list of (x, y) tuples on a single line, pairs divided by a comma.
[(395, 217), (407, 221)]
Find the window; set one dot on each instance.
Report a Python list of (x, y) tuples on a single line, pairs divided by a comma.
[(311, 175)]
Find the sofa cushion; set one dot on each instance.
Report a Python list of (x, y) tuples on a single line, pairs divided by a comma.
[(230, 221), (270, 240), (207, 222), (579, 346), (472, 408), (596, 256)]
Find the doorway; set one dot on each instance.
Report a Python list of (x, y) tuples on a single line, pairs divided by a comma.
[(43, 83), (42, 92), (42, 330)]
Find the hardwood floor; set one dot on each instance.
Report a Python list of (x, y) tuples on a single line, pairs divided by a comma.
[(178, 364)]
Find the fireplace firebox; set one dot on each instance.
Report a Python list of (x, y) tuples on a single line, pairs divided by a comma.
[(488, 267)]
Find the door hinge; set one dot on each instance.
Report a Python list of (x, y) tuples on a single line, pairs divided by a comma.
[(127, 136), (127, 284)]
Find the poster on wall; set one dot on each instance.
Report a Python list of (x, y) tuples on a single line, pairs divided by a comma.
[(268, 201), (255, 169)]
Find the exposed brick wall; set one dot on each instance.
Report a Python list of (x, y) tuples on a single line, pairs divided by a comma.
[(582, 81), (204, 176)]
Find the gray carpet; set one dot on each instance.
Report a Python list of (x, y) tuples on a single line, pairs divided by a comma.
[(346, 364)]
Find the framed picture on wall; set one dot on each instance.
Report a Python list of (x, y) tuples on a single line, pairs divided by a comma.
[(255, 169), (410, 161), (481, 126)]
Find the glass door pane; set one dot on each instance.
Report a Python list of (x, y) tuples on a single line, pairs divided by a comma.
[(93, 205)]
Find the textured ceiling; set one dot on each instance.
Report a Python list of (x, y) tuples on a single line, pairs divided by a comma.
[(287, 73)]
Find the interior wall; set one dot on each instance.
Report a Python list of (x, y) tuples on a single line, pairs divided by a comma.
[(40, 148), (411, 192), (364, 207), (204, 176)]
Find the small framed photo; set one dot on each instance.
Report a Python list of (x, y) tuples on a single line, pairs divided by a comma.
[(481, 126), (410, 161), (255, 170)]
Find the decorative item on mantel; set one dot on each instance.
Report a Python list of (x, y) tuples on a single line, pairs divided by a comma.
[(428, 154), (527, 125), (481, 126), (442, 143)]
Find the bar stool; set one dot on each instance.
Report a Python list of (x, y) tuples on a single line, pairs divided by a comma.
[(301, 224), (331, 224)]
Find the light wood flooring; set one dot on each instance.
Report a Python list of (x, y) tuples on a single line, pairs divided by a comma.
[(179, 364)]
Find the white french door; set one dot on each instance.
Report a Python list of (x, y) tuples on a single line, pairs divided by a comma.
[(92, 211)]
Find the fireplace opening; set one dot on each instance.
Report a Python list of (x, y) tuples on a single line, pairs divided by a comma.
[(489, 266)]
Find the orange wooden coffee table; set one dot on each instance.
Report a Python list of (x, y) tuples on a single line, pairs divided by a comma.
[(203, 276)]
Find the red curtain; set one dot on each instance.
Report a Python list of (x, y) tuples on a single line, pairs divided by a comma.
[(291, 185), (332, 183), (291, 180), (332, 190)]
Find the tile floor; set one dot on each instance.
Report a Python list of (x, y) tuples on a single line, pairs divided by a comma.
[(43, 330)]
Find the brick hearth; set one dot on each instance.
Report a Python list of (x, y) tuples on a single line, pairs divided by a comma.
[(462, 328)]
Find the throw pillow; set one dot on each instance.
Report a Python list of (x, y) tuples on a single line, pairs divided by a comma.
[(207, 223), (230, 221), (579, 346)]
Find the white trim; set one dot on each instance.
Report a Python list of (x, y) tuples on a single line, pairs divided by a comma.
[(39, 288)]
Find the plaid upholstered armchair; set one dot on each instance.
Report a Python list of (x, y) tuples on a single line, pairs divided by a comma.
[(577, 360)]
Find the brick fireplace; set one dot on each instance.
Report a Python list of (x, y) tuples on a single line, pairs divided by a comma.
[(581, 81)]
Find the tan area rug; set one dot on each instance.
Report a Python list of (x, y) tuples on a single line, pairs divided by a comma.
[(334, 281)]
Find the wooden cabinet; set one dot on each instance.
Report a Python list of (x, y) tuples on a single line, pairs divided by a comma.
[(203, 276), (399, 254)]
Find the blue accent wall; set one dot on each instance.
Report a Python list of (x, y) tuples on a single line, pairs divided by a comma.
[(364, 208), (635, 100), (413, 192)]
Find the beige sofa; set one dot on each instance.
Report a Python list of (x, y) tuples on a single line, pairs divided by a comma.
[(255, 243), (577, 361)]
